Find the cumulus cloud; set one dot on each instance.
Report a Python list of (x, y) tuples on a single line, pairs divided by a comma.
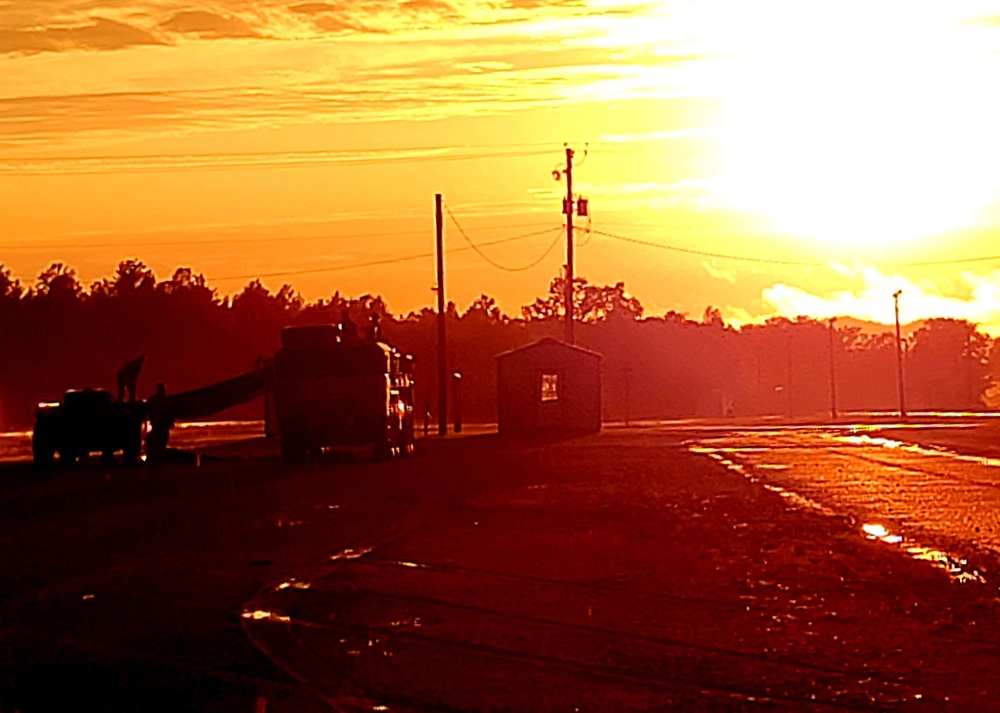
[(976, 298)]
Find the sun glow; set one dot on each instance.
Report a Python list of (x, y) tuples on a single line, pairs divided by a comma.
[(859, 123)]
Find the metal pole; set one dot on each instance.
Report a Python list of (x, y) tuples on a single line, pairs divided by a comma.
[(788, 375), (833, 378), (570, 208), (456, 394), (628, 394), (442, 356), (899, 359)]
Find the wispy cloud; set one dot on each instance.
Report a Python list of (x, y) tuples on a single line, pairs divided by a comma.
[(720, 273), (96, 33), (205, 24), (53, 26)]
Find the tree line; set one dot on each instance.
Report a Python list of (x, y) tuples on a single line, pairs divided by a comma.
[(58, 334)]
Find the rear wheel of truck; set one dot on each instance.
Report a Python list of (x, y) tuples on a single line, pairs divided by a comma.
[(294, 451), (382, 448), (42, 450)]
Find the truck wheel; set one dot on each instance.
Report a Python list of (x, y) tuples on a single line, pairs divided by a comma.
[(406, 443), (42, 451), (130, 455), (382, 449), (294, 452)]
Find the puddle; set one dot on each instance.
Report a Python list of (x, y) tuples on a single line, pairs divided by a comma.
[(408, 565), (261, 615), (878, 532), (958, 568), (351, 554)]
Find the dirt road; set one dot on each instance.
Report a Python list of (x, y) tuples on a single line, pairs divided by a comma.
[(614, 572)]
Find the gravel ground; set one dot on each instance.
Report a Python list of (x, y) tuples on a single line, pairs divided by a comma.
[(614, 572)]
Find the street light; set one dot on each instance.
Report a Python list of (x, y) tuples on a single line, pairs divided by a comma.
[(899, 358), (833, 379)]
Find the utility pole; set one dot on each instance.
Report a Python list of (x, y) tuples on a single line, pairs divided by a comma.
[(442, 356), (569, 208), (833, 378), (899, 358)]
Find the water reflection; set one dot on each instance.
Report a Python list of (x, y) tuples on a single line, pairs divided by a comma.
[(261, 615), (915, 448), (351, 553)]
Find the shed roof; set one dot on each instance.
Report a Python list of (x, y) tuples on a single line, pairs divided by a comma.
[(549, 342)]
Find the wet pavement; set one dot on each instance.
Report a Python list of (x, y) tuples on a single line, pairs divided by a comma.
[(932, 502)]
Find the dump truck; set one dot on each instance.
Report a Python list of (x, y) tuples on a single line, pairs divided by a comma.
[(333, 391), (87, 421)]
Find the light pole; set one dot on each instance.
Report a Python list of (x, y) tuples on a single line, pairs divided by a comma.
[(899, 358), (833, 380), (442, 340)]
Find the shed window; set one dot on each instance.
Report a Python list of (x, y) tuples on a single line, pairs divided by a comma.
[(550, 387)]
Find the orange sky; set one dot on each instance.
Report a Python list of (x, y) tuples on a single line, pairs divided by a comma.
[(301, 141)]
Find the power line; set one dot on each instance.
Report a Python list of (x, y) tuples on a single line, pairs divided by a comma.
[(229, 241), (167, 163), (373, 263), (791, 263), (493, 262), (702, 253)]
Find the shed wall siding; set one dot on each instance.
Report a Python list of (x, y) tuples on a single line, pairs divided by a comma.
[(519, 377)]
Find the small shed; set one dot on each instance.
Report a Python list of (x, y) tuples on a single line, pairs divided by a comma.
[(549, 386)]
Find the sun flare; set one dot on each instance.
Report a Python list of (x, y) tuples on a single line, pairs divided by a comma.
[(859, 123)]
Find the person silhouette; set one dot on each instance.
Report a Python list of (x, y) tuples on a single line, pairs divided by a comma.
[(128, 375), (375, 328), (160, 422), (348, 329)]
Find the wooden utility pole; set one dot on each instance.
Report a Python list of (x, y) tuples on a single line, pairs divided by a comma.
[(442, 355), (569, 208)]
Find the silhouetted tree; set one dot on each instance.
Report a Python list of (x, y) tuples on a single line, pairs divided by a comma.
[(59, 335), (58, 283), (947, 366), (591, 303)]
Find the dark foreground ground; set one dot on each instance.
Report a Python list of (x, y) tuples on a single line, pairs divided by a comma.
[(617, 572)]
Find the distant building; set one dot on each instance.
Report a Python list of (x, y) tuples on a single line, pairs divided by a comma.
[(549, 386)]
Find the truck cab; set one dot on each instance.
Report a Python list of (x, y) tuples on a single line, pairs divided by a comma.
[(87, 421)]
